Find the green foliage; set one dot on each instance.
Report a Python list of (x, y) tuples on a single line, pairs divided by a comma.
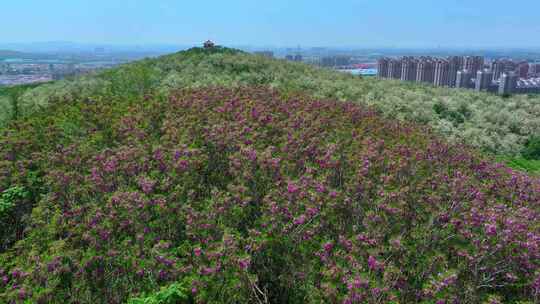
[(10, 101), (523, 164), (14, 206), (532, 149), (9, 199), (176, 293)]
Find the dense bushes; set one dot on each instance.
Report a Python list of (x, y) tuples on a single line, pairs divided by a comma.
[(13, 207), (496, 124), (532, 148), (237, 196)]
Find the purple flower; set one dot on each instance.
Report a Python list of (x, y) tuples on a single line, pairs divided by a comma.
[(252, 155), (300, 220), (321, 188), (292, 188), (373, 264), (328, 247), (146, 184), (110, 165), (16, 273), (183, 165), (244, 263), (22, 294), (162, 275), (491, 229)]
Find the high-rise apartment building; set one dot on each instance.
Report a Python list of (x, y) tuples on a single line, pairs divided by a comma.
[(523, 69), (474, 63), (463, 79), (534, 70), (498, 68), (508, 83), (382, 68), (442, 68), (394, 69), (483, 80), (455, 64), (409, 68), (426, 70), (453, 72)]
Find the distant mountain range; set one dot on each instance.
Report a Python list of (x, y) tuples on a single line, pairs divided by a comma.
[(75, 47), (9, 53)]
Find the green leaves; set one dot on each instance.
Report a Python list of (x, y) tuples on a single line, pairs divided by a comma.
[(9, 198), (532, 149), (176, 293)]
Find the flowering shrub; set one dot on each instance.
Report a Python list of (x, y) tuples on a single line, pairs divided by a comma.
[(242, 196)]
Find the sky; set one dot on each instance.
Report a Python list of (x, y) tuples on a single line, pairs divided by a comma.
[(330, 23)]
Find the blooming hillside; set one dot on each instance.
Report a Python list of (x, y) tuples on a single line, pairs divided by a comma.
[(249, 196), (495, 124)]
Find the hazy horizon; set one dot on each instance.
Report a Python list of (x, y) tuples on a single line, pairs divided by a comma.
[(349, 23)]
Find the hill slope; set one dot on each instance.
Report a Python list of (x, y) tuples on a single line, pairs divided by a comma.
[(492, 123), (252, 195)]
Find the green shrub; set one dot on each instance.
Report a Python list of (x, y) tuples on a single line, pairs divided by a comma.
[(13, 206), (9, 198), (532, 149), (176, 293)]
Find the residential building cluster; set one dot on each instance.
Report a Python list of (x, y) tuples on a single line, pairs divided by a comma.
[(25, 73), (296, 58), (472, 72)]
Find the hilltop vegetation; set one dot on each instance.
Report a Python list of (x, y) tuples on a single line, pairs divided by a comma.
[(493, 123), (159, 183)]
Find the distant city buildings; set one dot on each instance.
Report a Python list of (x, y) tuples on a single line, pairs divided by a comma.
[(473, 63), (16, 72), (463, 79), (508, 83), (296, 58), (483, 80), (534, 70), (334, 61), (426, 71), (442, 69), (469, 72), (523, 69), (267, 54), (455, 63), (382, 68), (409, 68)]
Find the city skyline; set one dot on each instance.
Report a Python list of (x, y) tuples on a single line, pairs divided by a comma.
[(502, 76), (417, 24)]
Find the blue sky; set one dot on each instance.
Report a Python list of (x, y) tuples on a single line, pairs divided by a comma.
[(368, 23)]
